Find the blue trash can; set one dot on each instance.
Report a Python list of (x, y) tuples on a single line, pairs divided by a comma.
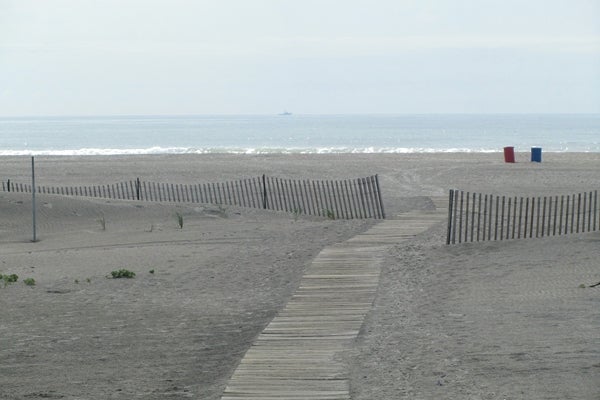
[(536, 154)]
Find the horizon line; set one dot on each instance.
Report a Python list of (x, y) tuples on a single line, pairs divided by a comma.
[(41, 116)]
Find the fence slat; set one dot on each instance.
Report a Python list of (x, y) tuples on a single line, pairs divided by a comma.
[(331, 189), (319, 204), (271, 195), (343, 206), (583, 210), (526, 217), (532, 217), (243, 193), (449, 228), (578, 212), (460, 217), (550, 211), (272, 192), (290, 195), (227, 194), (379, 196), (256, 193), (365, 198), (490, 214), (595, 208), (502, 219), (356, 196), (281, 195), (374, 198), (203, 194), (573, 214), (306, 196), (287, 195), (485, 217), (454, 216), (348, 195), (543, 217), (197, 192), (590, 212), (212, 196), (300, 196), (370, 198)]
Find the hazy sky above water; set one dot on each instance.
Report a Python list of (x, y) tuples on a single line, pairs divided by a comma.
[(90, 57)]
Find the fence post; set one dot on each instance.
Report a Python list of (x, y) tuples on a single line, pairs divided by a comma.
[(33, 197), (137, 188)]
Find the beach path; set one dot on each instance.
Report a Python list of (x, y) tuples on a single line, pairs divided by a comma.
[(300, 354)]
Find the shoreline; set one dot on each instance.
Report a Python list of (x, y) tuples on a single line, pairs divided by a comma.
[(252, 151)]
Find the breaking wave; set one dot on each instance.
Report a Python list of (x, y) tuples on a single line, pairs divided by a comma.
[(238, 150)]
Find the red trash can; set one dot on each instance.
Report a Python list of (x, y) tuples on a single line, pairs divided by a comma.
[(509, 154)]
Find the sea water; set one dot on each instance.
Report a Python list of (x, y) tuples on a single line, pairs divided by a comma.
[(258, 134)]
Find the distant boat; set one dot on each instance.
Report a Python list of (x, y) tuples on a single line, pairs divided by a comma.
[(286, 113)]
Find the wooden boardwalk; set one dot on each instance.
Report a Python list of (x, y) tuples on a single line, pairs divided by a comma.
[(299, 355)]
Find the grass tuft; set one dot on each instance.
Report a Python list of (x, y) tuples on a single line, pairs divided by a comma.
[(329, 213), (297, 212), (29, 281), (12, 278), (179, 220), (102, 221), (122, 273)]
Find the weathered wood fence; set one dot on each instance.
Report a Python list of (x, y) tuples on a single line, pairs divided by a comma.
[(340, 199), (482, 217)]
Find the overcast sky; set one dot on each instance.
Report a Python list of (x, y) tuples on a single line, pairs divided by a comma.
[(92, 57)]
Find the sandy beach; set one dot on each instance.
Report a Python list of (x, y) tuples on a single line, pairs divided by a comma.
[(494, 320)]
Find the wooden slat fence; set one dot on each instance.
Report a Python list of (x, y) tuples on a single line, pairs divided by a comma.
[(474, 217), (340, 199)]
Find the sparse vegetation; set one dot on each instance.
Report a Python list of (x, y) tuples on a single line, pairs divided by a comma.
[(329, 213), (122, 273), (102, 221), (179, 220), (151, 271), (296, 213), (12, 278), (222, 211), (29, 281)]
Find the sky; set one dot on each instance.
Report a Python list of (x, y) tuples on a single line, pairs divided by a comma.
[(182, 57)]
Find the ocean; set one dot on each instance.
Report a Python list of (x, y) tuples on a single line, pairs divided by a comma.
[(260, 134)]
